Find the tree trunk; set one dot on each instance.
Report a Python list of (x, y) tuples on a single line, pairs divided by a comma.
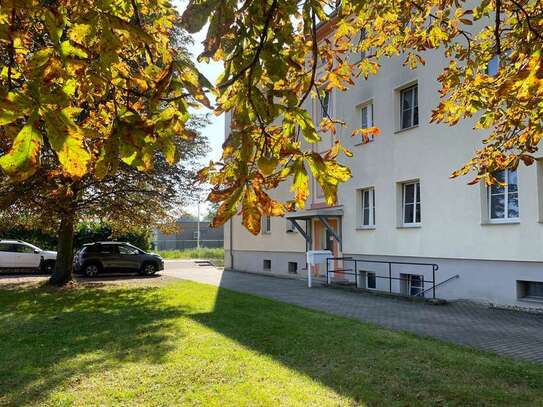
[(65, 254)]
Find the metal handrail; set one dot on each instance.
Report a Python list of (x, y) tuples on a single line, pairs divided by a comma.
[(434, 266), (437, 285)]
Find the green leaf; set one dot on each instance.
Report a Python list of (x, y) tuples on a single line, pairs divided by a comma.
[(23, 159), (69, 50), (67, 139)]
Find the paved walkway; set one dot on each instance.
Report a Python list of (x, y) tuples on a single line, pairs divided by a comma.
[(505, 332)]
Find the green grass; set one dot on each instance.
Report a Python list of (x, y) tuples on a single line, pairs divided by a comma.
[(202, 253), (191, 344)]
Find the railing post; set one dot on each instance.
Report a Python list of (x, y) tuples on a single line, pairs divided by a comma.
[(355, 273), (434, 282), (390, 277), (327, 272)]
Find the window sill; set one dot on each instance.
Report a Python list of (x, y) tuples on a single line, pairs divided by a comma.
[(365, 228), (364, 143), (265, 233), (407, 226), (406, 129), (501, 222), (531, 299)]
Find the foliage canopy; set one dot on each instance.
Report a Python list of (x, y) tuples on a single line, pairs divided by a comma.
[(271, 51)]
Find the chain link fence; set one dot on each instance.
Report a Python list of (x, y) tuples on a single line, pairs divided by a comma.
[(176, 244)]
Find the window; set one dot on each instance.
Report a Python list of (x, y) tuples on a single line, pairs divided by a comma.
[(368, 207), (325, 107), (532, 290), (7, 247), (195, 234), (22, 248), (412, 284), (127, 250), (493, 66), (411, 203), (266, 224), (503, 200), (371, 281), (99, 248), (292, 267), (366, 115), (266, 265), (362, 38), (409, 107), (290, 227)]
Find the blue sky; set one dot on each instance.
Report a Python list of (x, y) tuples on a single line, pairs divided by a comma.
[(215, 130)]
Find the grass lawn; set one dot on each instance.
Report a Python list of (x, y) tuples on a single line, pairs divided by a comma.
[(192, 344), (216, 255)]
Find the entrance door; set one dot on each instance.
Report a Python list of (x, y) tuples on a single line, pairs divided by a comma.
[(324, 240)]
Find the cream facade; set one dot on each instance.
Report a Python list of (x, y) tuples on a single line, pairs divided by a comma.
[(400, 204)]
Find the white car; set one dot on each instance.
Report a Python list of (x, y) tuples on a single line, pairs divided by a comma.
[(19, 255)]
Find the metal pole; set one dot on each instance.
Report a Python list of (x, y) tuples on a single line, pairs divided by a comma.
[(390, 277), (309, 275), (356, 273), (434, 282), (198, 226)]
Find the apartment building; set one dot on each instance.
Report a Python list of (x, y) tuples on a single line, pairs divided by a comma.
[(401, 207)]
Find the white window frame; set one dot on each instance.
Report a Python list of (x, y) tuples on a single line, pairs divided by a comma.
[(195, 234), (506, 218), (266, 225), (414, 106), (370, 207), (319, 109), (410, 284), (416, 200)]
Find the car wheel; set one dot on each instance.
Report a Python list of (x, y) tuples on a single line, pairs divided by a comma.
[(48, 267), (91, 270), (148, 269)]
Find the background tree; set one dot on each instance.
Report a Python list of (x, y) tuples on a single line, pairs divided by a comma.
[(90, 90), (127, 201), (271, 51)]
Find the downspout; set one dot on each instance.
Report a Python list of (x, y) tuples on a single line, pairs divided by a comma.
[(231, 244)]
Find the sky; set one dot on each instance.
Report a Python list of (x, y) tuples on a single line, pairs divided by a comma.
[(215, 130)]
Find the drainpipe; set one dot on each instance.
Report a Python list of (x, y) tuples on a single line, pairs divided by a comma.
[(231, 244)]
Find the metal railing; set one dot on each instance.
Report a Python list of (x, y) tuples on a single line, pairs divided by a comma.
[(357, 271)]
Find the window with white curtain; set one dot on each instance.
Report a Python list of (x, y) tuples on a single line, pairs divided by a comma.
[(503, 203), (409, 107), (368, 207), (411, 203)]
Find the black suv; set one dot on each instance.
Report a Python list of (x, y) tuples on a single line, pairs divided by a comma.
[(95, 258)]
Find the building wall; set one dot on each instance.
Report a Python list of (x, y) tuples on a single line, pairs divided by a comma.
[(454, 231)]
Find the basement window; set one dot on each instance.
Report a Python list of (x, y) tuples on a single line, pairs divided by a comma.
[(530, 290), (266, 265), (292, 267)]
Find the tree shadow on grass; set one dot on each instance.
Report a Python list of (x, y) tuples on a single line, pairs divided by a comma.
[(369, 364), (47, 339)]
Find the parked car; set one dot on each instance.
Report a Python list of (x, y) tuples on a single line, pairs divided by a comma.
[(23, 256), (95, 258)]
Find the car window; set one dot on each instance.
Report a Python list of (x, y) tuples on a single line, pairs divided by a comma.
[(99, 248), (128, 250), (6, 247), (107, 249), (22, 248)]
